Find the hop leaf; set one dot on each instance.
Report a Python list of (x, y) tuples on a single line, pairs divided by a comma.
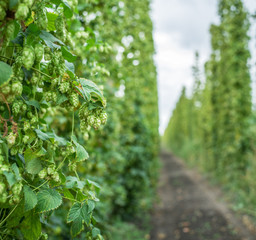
[(48, 199)]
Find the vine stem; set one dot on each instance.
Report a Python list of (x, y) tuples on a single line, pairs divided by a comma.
[(61, 163), (41, 185), (41, 72), (73, 123), (2, 222)]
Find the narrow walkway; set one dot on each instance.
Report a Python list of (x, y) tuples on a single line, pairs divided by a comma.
[(189, 209)]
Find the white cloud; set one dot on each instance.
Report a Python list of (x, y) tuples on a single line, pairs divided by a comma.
[(181, 27)]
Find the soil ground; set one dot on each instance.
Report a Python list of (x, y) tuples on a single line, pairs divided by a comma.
[(190, 209)]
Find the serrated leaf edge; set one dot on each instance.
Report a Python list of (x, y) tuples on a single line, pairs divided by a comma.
[(51, 208)]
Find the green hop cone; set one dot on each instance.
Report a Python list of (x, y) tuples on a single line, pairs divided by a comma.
[(6, 89), (10, 30), (11, 138), (16, 108), (42, 174), (103, 117), (16, 188), (39, 52), (22, 12), (97, 123), (91, 119), (64, 87), (74, 99), (17, 88), (41, 18), (2, 188), (54, 96), (34, 120), (26, 126), (25, 139), (29, 3), (28, 57), (14, 151), (48, 96), (50, 170), (3, 197)]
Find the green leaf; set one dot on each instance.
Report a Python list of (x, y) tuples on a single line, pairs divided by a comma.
[(81, 153), (10, 177), (67, 9), (77, 227), (92, 183), (30, 198), (61, 99), (50, 40), (67, 194), (33, 103), (74, 182), (79, 211), (70, 68), (48, 199), (31, 226), (51, 21), (15, 217), (91, 205), (32, 30), (95, 232), (31, 134), (29, 155), (33, 166), (16, 171), (67, 55), (13, 3), (5, 73), (74, 212), (42, 135), (47, 136), (90, 89)]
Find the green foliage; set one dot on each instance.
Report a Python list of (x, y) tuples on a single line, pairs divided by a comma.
[(212, 129), (53, 116)]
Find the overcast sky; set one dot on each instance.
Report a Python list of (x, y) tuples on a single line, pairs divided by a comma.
[(181, 27)]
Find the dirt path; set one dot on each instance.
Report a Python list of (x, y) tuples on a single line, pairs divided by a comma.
[(190, 209)]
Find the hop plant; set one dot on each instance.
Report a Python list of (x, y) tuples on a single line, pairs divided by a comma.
[(39, 52), (17, 88), (103, 117), (91, 119), (48, 96), (6, 89), (50, 170), (97, 123), (26, 126), (28, 57), (64, 87), (74, 99), (60, 27), (41, 17), (16, 188), (47, 54), (10, 30), (2, 188), (3, 197), (29, 3), (25, 139), (16, 107), (43, 173), (22, 12), (11, 138)]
